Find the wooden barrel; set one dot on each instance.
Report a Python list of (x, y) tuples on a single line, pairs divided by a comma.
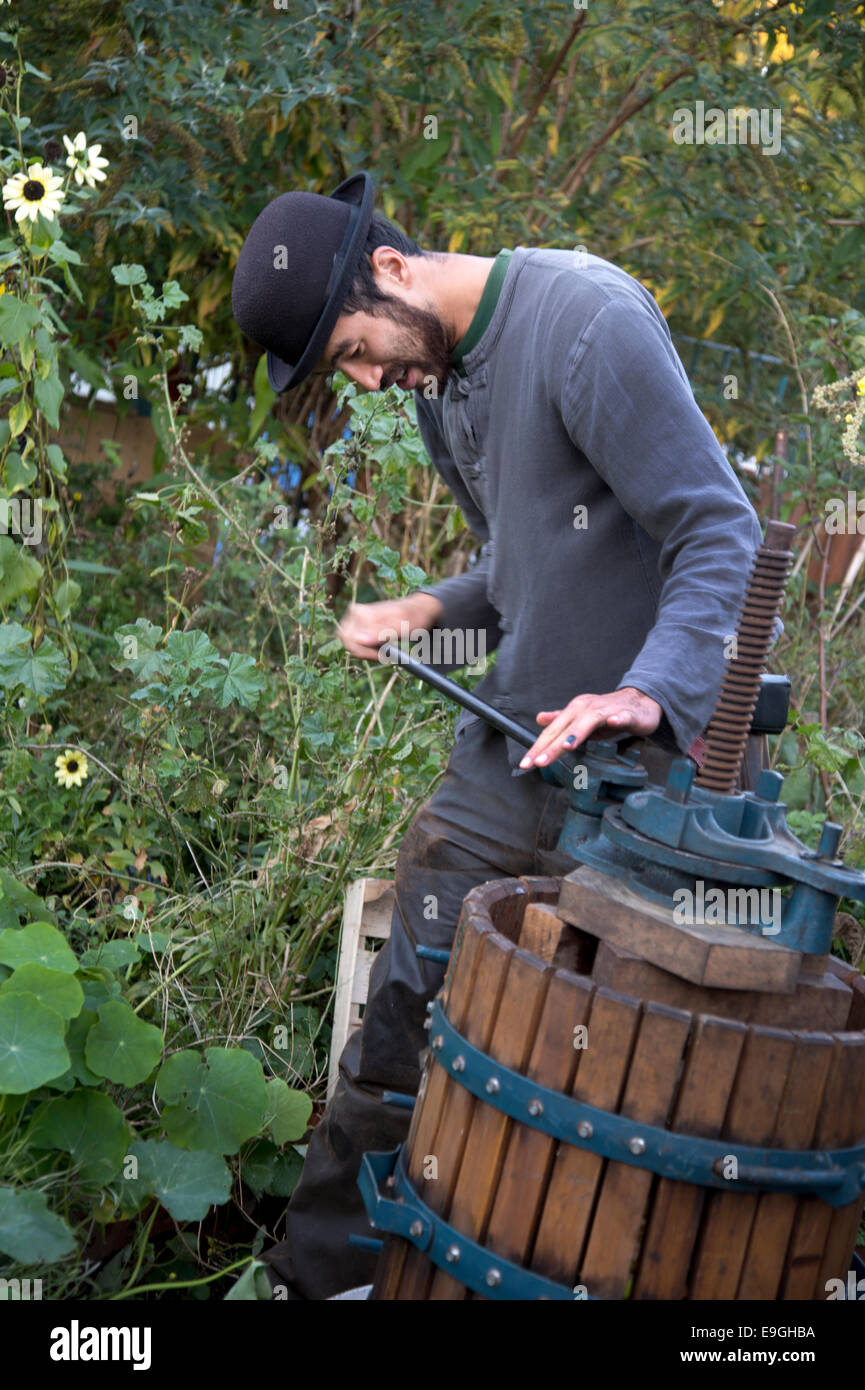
[(598, 1227)]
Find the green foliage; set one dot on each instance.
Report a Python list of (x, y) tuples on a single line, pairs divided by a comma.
[(169, 926)]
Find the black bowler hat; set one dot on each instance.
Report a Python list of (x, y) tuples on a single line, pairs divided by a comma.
[(294, 271)]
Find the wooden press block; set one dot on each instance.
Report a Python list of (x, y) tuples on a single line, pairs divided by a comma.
[(818, 1004), (555, 941), (717, 957)]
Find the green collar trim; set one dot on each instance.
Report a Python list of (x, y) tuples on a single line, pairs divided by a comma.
[(484, 312)]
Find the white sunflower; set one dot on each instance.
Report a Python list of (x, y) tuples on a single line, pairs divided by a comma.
[(37, 189), (85, 160)]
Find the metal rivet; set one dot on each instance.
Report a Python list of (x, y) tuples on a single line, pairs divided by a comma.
[(429, 1006), (493, 1278), (535, 1107), (452, 1254), (438, 1042), (637, 1145), (493, 1086), (427, 1023), (459, 1063), (416, 1228), (585, 1130)]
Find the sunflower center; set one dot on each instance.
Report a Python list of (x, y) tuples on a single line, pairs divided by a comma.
[(72, 765), (33, 190)]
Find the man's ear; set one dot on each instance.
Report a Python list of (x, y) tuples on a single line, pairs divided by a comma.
[(391, 266)]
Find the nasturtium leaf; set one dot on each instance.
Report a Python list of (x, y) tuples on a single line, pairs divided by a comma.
[(88, 1126), (114, 955), (76, 1039), (16, 899), (32, 1047), (187, 1184), (288, 1112), (56, 988), (214, 1104), (29, 1231), (99, 986), (152, 941), (40, 943), (265, 1169), (237, 679), (122, 1046)]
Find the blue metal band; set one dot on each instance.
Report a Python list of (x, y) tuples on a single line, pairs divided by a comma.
[(404, 1214), (836, 1175)]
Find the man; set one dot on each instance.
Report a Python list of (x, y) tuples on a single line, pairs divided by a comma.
[(616, 547)]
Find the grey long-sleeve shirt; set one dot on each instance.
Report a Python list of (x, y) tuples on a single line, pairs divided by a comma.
[(575, 397)]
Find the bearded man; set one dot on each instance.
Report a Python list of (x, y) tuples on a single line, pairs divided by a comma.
[(616, 543)]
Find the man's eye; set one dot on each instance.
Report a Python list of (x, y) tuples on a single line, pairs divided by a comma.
[(356, 352)]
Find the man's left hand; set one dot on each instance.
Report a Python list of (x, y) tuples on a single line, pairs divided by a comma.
[(624, 711)]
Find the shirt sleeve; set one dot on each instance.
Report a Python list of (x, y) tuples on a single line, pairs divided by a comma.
[(464, 597), (627, 405)]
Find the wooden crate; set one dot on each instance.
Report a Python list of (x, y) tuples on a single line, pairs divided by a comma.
[(366, 917)]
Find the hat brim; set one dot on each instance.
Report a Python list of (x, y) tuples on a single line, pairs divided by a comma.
[(359, 193)]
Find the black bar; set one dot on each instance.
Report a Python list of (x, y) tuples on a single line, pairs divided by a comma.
[(499, 721)]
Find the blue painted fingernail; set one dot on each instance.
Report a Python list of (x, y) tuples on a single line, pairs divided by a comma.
[(570, 740)]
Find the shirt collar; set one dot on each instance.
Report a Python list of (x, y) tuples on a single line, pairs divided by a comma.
[(483, 313)]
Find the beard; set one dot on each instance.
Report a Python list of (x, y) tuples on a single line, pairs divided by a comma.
[(426, 344)]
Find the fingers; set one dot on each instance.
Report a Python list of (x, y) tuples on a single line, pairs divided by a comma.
[(626, 710), (571, 727)]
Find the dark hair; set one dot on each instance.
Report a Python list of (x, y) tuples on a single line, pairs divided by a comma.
[(365, 297)]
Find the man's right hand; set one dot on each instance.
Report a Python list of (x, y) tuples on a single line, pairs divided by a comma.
[(366, 626)]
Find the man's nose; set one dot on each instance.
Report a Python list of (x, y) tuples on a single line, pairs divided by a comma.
[(367, 377)]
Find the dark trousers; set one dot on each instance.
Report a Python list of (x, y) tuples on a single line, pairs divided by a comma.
[(481, 823)]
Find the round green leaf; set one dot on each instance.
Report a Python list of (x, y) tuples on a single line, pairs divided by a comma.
[(29, 1231), (121, 1046), (187, 1184), (59, 991), (32, 1048), (76, 1041), (39, 944), (288, 1112), (113, 955), (214, 1104), (90, 1127)]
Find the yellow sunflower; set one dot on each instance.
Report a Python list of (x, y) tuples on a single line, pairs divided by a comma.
[(71, 768), (33, 191)]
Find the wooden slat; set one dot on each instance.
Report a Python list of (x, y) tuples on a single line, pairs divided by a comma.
[(728, 1216), (844, 1223), (519, 1010), (649, 1092), (399, 1261), (528, 1162), (668, 1246), (766, 1259), (602, 1069), (838, 1123), (447, 1140)]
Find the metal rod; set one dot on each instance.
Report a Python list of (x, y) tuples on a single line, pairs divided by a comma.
[(499, 721)]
